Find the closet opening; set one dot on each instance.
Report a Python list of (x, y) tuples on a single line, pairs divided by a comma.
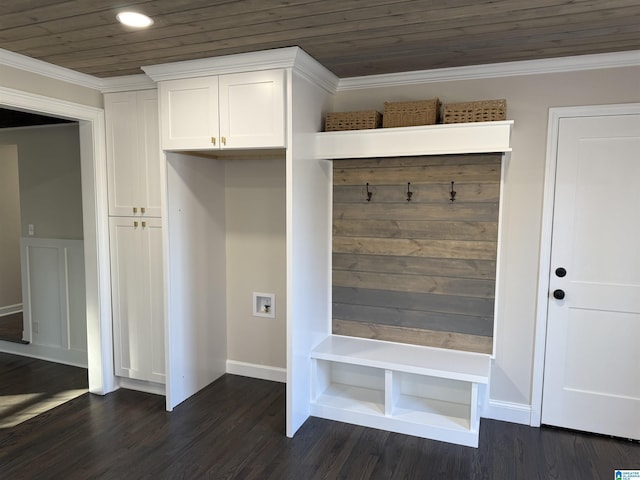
[(225, 241)]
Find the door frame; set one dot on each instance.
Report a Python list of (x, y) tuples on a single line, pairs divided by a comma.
[(93, 167), (540, 339)]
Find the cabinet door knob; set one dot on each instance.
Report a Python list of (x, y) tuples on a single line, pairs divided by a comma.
[(213, 140), (142, 210), (223, 140), (144, 224), (135, 209), (135, 224)]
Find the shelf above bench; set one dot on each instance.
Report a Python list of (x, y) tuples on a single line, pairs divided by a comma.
[(454, 138)]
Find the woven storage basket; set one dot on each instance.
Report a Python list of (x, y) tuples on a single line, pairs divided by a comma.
[(352, 120), (409, 114), (482, 111)]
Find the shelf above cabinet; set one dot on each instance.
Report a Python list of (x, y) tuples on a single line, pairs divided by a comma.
[(455, 138)]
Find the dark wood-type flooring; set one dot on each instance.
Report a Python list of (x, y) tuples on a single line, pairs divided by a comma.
[(11, 327), (235, 429), (30, 387)]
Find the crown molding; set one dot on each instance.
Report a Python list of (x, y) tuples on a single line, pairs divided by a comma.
[(22, 62), (126, 83), (289, 57), (308, 67), (241, 62), (312, 70), (495, 70)]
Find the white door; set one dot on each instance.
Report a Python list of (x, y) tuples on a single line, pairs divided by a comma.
[(122, 153), (137, 286), (252, 109), (189, 114), (592, 359), (133, 153)]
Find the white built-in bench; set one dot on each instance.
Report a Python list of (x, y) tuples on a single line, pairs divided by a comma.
[(422, 391)]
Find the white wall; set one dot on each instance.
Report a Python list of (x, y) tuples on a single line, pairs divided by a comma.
[(50, 182), (10, 277), (255, 199), (528, 101)]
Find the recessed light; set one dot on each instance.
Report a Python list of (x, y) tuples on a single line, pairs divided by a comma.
[(134, 19)]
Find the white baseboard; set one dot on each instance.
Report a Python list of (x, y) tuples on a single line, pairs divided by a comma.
[(10, 309), (75, 358), (263, 372), (507, 412), (141, 386)]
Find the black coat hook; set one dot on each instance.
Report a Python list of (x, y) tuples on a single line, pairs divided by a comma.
[(369, 194), (409, 192), (453, 193)]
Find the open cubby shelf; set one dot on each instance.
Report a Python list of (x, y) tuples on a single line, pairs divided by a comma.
[(422, 391)]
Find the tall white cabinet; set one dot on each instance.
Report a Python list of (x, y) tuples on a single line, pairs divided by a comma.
[(135, 235)]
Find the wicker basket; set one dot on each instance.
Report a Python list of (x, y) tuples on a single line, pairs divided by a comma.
[(352, 120), (409, 114), (482, 111)]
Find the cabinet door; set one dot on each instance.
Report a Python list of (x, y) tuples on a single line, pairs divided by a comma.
[(122, 153), (133, 153), (189, 113), (137, 301), (252, 109), (149, 152), (154, 307)]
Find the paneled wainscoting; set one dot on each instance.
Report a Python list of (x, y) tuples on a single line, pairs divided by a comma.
[(53, 291), (414, 262)]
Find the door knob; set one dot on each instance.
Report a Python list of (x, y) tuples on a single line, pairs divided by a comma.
[(558, 294), (560, 272)]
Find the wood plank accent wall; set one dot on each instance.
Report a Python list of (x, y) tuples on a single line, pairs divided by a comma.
[(419, 271)]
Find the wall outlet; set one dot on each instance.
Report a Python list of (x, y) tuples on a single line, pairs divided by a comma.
[(264, 305), (32, 230)]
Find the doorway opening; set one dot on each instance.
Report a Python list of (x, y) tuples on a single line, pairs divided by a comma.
[(90, 121)]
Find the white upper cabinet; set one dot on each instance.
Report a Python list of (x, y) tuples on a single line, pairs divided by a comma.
[(189, 113), (133, 153), (235, 111)]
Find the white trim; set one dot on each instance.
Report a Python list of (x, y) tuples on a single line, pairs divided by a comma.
[(75, 358), (37, 127), (314, 72), (497, 301), (507, 412), (284, 57), (95, 230), (22, 62), (495, 70), (10, 309), (242, 62), (127, 83), (288, 57), (253, 370), (544, 269), (142, 386)]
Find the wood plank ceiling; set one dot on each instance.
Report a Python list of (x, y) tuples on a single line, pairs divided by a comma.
[(350, 37)]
